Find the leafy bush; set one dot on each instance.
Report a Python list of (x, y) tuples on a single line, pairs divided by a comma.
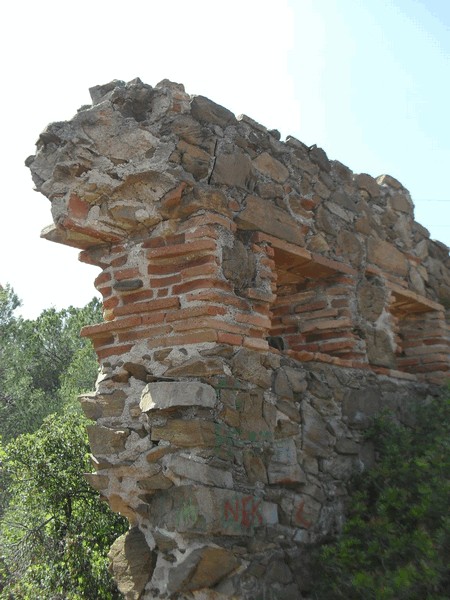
[(396, 541), (44, 363), (55, 531)]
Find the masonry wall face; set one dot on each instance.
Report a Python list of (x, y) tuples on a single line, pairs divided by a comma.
[(261, 304)]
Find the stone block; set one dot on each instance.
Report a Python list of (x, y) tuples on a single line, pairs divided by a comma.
[(254, 468), (201, 568), (186, 434), (271, 167), (283, 468), (385, 255), (206, 111), (178, 467), (132, 563), (163, 395), (234, 169), (200, 509), (247, 365), (262, 215), (104, 440), (316, 439)]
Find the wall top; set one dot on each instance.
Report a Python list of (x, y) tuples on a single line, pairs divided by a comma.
[(141, 157)]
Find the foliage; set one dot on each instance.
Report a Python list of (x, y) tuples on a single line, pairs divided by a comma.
[(55, 532), (396, 542), (44, 363)]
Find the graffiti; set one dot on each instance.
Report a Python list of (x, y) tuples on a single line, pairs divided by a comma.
[(227, 383), (186, 515), (229, 438), (299, 517), (242, 513)]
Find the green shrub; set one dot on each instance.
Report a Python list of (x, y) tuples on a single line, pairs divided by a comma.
[(396, 541), (55, 532)]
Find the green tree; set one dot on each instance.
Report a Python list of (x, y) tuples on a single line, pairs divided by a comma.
[(396, 541), (44, 363), (55, 531)]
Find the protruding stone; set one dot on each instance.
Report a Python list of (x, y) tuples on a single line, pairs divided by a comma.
[(271, 167), (132, 563), (163, 395), (105, 440), (207, 111), (201, 568)]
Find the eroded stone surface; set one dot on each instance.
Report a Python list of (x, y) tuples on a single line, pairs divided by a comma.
[(262, 304)]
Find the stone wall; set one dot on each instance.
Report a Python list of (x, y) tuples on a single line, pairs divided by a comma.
[(261, 304)]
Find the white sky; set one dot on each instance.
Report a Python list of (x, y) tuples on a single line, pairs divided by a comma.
[(367, 80)]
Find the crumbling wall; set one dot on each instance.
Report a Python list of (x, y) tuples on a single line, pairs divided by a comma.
[(261, 304)]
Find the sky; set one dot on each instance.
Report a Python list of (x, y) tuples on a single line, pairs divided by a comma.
[(366, 80)]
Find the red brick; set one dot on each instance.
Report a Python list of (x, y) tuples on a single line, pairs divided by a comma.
[(159, 282), (256, 320), (105, 291), (163, 293), (90, 257), (148, 332), (114, 350), (255, 344), (229, 338), (110, 302), (208, 218), (172, 266), (208, 322), (105, 340), (195, 311), (218, 297), (193, 337), (306, 347), (126, 274), (301, 356), (173, 197), (141, 307), (132, 297), (328, 324), (153, 318), (210, 268), (259, 295), (204, 231), (314, 306), (101, 328), (438, 358), (319, 314), (78, 208), (182, 249), (119, 261), (197, 284), (95, 234), (104, 277), (426, 350), (117, 248)]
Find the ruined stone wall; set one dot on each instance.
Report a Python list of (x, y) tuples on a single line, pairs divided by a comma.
[(261, 304)]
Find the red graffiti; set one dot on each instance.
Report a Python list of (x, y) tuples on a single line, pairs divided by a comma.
[(299, 518), (243, 511)]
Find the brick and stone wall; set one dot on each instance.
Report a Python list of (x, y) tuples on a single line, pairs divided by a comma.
[(261, 304)]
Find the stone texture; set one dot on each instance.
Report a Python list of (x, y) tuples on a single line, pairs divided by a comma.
[(387, 257), (164, 395), (132, 563), (202, 568), (262, 304), (234, 169), (258, 215), (185, 433)]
